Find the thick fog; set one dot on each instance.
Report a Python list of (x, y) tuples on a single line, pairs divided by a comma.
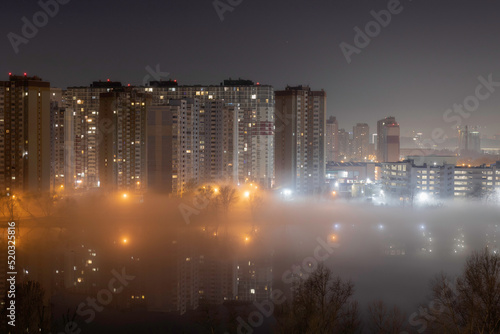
[(389, 253)]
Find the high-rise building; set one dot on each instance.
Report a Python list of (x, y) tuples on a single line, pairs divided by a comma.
[(57, 134), (300, 145), (344, 145), (173, 141), (332, 139), (469, 140), (25, 149), (122, 142), (253, 104), (387, 140), (82, 104), (360, 138)]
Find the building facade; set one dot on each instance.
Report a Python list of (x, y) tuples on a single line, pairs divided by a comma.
[(122, 141), (360, 139), (58, 135), (253, 104), (174, 146), (387, 140), (300, 146), (332, 139), (469, 141), (25, 148), (82, 104)]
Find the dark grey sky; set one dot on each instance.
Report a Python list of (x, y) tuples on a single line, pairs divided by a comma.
[(424, 61)]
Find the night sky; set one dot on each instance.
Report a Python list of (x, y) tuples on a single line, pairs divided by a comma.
[(427, 58)]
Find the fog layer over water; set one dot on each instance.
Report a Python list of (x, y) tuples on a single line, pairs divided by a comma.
[(389, 253)]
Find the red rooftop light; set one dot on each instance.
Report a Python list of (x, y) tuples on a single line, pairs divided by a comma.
[(10, 73), (25, 74), (108, 80), (175, 80)]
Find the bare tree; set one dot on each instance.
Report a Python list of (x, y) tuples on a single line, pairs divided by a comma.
[(383, 320), (190, 188), (227, 197), (472, 303), (321, 304), (31, 314), (9, 207)]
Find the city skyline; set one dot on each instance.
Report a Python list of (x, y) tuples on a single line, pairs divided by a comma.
[(236, 166)]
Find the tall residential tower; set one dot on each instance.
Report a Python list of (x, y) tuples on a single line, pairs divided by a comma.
[(300, 145), (25, 149)]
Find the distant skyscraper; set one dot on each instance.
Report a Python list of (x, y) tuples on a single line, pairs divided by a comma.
[(332, 139), (25, 151), (361, 133), (469, 140), (122, 142), (344, 145), (387, 140), (300, 145), (254, 104)]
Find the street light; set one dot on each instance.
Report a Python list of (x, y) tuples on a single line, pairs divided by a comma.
[(246, 194)]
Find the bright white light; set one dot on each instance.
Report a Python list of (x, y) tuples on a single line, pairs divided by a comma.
[(336, 184), (423, 197), (422, 227), (337, 225), (381, 227), (246, 194), (287, 192)]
